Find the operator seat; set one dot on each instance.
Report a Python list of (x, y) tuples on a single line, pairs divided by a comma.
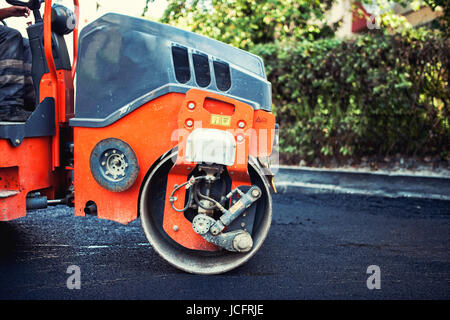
[(42, 121)]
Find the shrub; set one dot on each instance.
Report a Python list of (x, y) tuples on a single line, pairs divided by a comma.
[(377, 94)]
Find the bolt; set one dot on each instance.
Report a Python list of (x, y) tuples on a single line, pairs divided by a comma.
[(255, 193), (243, 242), (191, 106), (214, 231), (242, 225), (17, 141), (189, 123), (241, 124), (240, 138), (175, 228)]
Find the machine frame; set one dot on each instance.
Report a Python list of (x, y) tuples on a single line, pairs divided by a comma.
[(116, 167)]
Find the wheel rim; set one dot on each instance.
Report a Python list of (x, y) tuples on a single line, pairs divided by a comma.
[(114, 165), (191, 261)]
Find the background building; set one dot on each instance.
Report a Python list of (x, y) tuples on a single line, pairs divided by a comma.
[(349, 13)]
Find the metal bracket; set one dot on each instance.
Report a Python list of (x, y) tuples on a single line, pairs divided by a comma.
[(235, 241), (211, 229)]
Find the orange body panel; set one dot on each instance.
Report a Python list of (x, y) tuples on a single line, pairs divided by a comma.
[(23, 169), (152, 130), (263, 134), (148, 130), (206, 106), (184, 235)]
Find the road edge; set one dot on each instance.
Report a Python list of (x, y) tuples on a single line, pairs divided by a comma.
[(383, 184)]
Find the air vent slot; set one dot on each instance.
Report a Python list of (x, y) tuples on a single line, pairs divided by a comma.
[(202, 71), (181, 63), (223, 77)]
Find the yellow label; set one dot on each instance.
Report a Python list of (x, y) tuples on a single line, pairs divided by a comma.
[(219, 120)]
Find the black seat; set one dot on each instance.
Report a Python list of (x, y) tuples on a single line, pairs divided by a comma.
[(40, 124)]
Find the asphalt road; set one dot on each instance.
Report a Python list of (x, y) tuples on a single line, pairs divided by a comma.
[(319, 247)]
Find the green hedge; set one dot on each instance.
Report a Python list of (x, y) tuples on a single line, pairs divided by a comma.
[(377, 94)]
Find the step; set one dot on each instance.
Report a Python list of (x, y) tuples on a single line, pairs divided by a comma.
[(8, 193)]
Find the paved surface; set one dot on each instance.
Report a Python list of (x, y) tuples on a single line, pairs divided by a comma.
[(319, 247)]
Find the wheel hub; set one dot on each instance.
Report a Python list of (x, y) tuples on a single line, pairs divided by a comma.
[(114, 164)]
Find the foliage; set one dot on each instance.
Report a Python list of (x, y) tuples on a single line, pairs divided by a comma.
[(244, 23), (377, 94), (386, 18), (443, 23)]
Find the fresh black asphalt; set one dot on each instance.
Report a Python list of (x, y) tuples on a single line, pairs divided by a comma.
[(319, 247)]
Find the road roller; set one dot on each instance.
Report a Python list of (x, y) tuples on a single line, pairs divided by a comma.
[(149, 122)]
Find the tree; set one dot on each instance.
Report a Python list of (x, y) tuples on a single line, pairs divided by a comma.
[(244, 23)]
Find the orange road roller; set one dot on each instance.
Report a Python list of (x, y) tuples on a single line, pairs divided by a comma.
[(148, 121)]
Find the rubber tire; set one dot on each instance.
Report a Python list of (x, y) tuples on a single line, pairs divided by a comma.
[(132, 170)]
